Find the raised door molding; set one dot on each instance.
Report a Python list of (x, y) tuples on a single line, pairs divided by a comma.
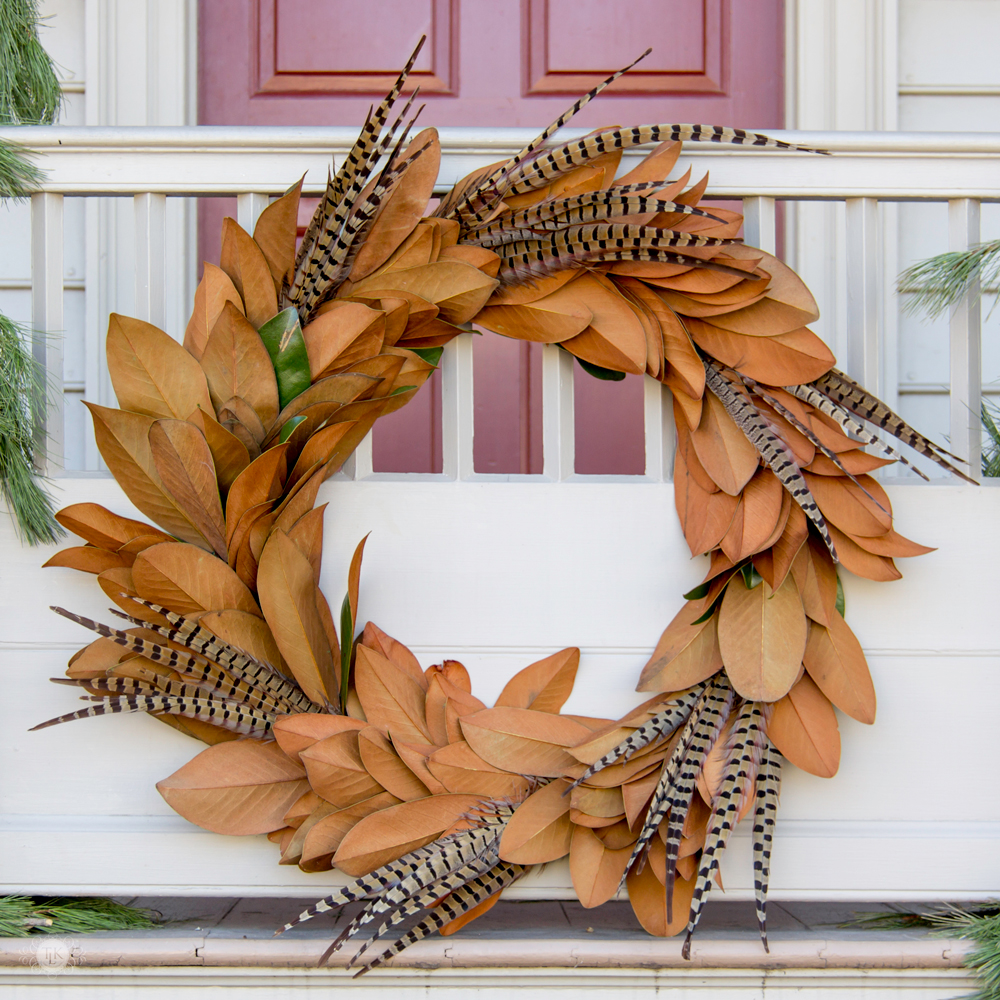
[(593, 40)]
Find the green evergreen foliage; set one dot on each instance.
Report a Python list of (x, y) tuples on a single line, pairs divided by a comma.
[(939, 282), (29, 89), (21, 916)]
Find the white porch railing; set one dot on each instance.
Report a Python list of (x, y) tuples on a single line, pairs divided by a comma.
[(151, 164)]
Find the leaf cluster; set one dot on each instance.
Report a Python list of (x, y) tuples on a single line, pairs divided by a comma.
[(21, 916), (29, 89)]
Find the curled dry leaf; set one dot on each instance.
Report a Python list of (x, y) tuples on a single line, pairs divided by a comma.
[(236, 788), (336, 771), (287, 591), (185, 465), (99, 526), (123, 441), (596, 869), (460, 769), (88, 559), (540, 830), (394, 651), (187, 579), (685, 654), (390, 833), (762, 636), (151, 373), (236, 363), (326, 835), (246, 265), (213, 292), (804, 728), (296, 733), (386, 766), (836, 662), (543, 686), (722, 448), (649, 902), (524, 741), (392, 698)]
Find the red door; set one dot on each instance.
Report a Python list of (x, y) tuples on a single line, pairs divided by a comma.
[(502, 63)]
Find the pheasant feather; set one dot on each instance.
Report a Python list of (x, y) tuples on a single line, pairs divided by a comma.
[(770, 446), (765, 811)]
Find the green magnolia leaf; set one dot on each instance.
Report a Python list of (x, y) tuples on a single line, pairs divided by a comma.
[(287, 427), (698, 592), (750, 576), (605, 374), (346, 632), (282, 336), (402, 388), (432, 355), (841, 605), (712, 608)]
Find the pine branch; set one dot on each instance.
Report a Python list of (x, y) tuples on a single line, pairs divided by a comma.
[(938, 283), (29, 89), (21, 916), (21, 381)]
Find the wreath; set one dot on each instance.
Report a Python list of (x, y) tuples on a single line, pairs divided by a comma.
[(333, 741)]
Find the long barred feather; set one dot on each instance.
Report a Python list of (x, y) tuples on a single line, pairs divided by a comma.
[(218, 711), (848, 423), (770, 447), (469, 210), (859, 401), (765, 811), (552, 162), (745, 747), (662, 724), (199, 669), (196, 637), (681, 771), (599, 236), (541, 263), (477, 891)]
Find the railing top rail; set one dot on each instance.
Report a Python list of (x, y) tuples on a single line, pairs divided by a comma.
[(212, 160)]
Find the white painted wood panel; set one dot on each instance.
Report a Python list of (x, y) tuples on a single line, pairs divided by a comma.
[(498, 574)]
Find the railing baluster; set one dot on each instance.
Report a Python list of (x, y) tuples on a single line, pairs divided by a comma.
[(863, 346), (558, 417), (48, 327), (759, 224), (150, 258), (660, 438), (248, 209), (359, 463), (457, 412), (966, 343)]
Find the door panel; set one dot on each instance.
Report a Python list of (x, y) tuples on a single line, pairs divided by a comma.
[(501, 63)]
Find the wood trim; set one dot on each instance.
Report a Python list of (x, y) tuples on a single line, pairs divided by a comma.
[(539, 79), (442, 78)]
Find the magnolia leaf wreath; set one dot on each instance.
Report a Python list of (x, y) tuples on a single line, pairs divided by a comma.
[(335, 743)]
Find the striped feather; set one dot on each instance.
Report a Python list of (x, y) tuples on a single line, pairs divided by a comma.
[(765, 811), (218, 711), (770, 447), (197, 638), (859, 401), (201, 671), (745, 747), (477, 891), (697, 739), (550, 163), (468, 210), (601, 236), (849, 424), (531, 266), (661, 725)]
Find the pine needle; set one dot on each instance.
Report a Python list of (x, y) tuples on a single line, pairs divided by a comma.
[(21, 381), (21, 916), (991, 447), (980, 924), (29, 89), (938, 283)]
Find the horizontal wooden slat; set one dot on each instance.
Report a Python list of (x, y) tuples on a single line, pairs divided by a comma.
[(896, 166)]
